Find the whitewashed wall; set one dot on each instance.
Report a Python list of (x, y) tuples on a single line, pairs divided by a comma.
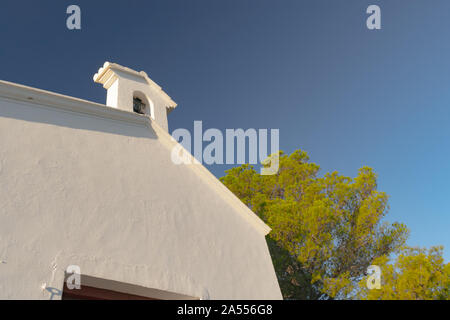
[(103, 194)]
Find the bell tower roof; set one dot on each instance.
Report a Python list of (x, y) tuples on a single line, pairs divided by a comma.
[(107, 74)]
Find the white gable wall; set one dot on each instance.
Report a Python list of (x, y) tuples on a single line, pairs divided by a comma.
[(78, 189)]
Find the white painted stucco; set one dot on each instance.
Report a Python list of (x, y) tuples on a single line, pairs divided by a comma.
[(89, 185)]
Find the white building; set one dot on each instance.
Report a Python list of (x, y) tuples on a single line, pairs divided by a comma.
[(94, 186)]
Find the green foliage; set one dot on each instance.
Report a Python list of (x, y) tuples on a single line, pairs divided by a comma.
[(326, 230), (416, 274)]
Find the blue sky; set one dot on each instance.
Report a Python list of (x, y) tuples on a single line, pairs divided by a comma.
[(346, 95)]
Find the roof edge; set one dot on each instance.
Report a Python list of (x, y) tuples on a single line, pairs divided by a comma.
[(14, 91), (215, 183)]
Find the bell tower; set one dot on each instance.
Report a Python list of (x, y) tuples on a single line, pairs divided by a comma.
[(134, 91)]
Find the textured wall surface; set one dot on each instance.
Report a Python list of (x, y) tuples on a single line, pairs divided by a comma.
[(103, 194)]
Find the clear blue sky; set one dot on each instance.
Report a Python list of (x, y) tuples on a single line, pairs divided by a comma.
[(347, 95)]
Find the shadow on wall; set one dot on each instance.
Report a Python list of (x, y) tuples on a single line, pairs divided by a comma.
[(50, 115)]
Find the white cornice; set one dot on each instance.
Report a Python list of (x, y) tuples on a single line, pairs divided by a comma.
[(19, 92)]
